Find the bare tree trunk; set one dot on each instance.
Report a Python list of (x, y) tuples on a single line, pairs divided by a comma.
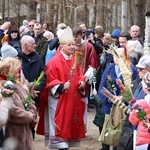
[(79, 14), (129, 13), (8, 8), (147, 5), (28, 10), (75, 16), (147, 29), (3, 10), (42, 10), (86, 14), (109, 17), (31, 9), (71, 13), (64, 8), (94, 14), (119, 10), (51, 15), (106, 15), (138, 15), (38, 12), (103, 22), (61, 15), (114, 16), (18, 14), (56, 14), (124, 24)]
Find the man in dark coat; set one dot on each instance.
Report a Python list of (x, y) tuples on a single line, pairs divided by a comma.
[(32, 66)]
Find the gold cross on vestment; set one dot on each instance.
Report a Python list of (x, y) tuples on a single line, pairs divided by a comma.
[(75, 94), (75, 118)]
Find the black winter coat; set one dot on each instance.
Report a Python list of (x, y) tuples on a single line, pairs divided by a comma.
[(32, 66)]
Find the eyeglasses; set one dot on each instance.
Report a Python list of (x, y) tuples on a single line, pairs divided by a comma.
[(31, 25), (140, 69)]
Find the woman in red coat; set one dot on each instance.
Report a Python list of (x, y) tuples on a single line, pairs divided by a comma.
[(143, 136)]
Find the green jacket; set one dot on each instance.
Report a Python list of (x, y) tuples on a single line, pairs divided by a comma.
[(99, 116), (41, 47)]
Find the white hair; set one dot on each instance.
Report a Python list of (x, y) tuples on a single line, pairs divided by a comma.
[(48, 33), (135, 26), (26, 39), (134, 47)]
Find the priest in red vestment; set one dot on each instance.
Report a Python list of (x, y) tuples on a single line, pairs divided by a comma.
[(89, 63), (62, 108)]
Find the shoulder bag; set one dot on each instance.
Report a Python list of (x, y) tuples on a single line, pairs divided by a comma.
[(112, 126)]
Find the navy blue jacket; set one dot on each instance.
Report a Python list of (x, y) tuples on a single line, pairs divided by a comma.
[(110, 70), (139, 93)]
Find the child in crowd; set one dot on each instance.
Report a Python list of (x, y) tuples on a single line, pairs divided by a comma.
[(99, 116), (106, 40)]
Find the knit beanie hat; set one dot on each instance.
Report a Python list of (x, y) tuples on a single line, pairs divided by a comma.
[(8, 51), (115, 33), (25, 22)]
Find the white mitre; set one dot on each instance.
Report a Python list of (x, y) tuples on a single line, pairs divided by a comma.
[(65, 36)]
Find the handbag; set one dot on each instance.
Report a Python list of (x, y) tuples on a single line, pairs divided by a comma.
[(126, 138), (111, 128)]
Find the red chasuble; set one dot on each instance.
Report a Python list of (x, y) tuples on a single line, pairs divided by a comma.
[(89, 57), (70, 108)]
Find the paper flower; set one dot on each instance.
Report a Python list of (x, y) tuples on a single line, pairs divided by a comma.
[(141, 114), (8, 89), (115, 100)]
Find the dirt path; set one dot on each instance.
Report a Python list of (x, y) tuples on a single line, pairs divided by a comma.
[(89, 143)]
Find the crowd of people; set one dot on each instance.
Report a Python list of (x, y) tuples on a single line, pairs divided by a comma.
[(51, 79)]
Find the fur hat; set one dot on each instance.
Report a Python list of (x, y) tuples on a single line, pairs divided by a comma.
[(8, 51), (115, 33), (144, 62)]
